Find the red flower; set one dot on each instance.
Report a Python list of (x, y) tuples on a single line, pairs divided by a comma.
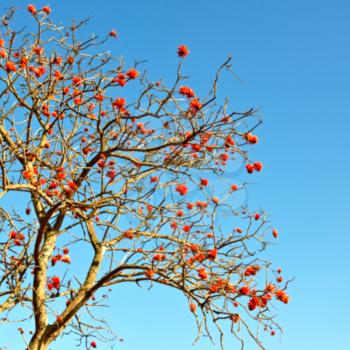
[(31, 9), (65, 250), (99, 97), (132, 73), (149, 274), (113, 33), (66, 259), (253, 303), (46, 9), (257, 216), (182, 51), (186, 228), (93, 344), (275, 233), (229, 141), (281, 295), (77, 81), (72, 185), (258, 166), (119, 103), (111, 174), (224, 157), (154, 179), (234, 187), (212, 254), (202, 274), (186, 91), (56, 282), (251, 138), (244, 290), (204, 182), (193, 307), (182, 189), (195, 105), (10, 66), (250, 168)]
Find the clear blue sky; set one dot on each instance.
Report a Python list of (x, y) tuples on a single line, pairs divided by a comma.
[(294, 59)]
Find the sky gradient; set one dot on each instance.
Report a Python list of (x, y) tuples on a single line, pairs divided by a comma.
[(293, 58)]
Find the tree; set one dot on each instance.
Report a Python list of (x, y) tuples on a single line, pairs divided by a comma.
[(125, 181)]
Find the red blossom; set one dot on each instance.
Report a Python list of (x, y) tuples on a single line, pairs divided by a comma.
[(32, 9), (181, 189), (182, 51)]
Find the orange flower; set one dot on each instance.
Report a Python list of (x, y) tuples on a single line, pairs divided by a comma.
[(250, 168), (282, 296), (186, 91), (46, 9), (119, 103), (181, 189), (32, 9), (204, 182), (113, 33), (234, 187), (10, 66), (182, 51), (195, 105), (193, 307), (244, 290), (251, 138), (258, 166), (212, 254), (66, 259), (132, 73)]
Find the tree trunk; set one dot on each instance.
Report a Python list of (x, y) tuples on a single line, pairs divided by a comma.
[(38, 343)]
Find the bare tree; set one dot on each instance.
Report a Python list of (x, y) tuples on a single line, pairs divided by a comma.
[(110, 165)]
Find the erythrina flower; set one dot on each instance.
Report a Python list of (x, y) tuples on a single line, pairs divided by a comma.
[(181, 189), (229, 141), (244, 290), (250, 168), (186, 228), (202, 274), (113, 33), (56, 282), (149, 274), (282, 296), (154, 179), (275, 233), (65, 250), (66, 259), (32, 9), (234, 187), (258, 166), (10, 66), (132, 73), (204, 182), (93, 344), (195, 105), (257, 216), (251, 138), (253, 303), (72, 185), (182, 51), (46, 9), (119, 103), (193, 307), (212, 254), (186, 91)]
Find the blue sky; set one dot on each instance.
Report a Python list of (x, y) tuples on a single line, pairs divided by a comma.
[(293, 57)]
